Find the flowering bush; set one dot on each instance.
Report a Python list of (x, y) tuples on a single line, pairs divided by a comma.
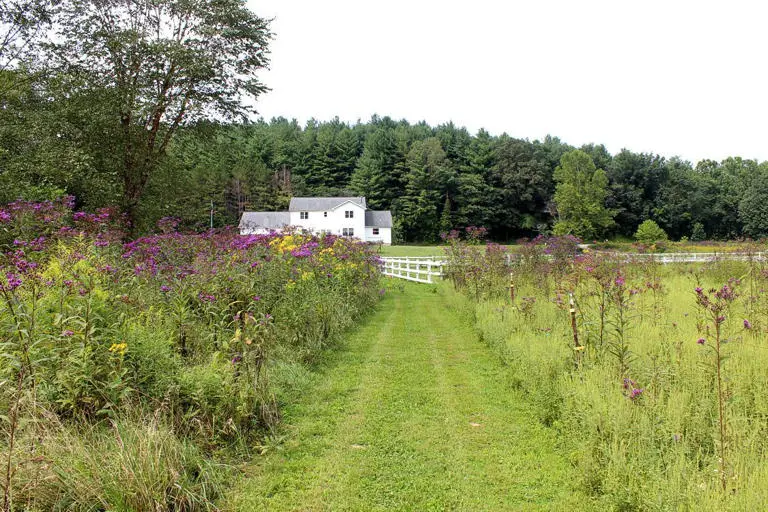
[(187, 325)]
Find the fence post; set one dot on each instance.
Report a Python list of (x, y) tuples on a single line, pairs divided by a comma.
[(577, 347), (512, 287)]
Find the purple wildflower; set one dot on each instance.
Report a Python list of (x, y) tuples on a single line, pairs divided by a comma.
[(701, 341), (67, 333), (165, 288), (747, 324), (14, 281)]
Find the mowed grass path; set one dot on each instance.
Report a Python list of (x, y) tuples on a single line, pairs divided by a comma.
[(414, 413)]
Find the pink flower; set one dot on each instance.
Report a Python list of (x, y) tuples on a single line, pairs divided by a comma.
[(701, 341), (747, 324)]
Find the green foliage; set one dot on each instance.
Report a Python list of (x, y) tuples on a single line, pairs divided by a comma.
[(753, 208), (698, 234), (141, 70), (649, 232), (580, 197)]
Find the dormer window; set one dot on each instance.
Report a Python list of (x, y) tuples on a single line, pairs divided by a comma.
[(303, 215), (349, 214)]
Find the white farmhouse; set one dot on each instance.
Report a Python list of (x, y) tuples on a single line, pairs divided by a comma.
[(343, 216)]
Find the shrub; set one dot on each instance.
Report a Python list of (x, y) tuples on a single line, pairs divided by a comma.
[(649, 232)]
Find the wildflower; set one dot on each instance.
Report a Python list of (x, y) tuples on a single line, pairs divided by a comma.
[(701, 341), (165, 288), (636, 392), (14, 281), (67, 333), (619, 281), (4, 216), (205, 297), (747, 324), (699, 290), (256, 298), (118, 348), (721, 319), (237, 359)]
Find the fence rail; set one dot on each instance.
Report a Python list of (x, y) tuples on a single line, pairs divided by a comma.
[(426, 269), (673, 257), (418, 268)]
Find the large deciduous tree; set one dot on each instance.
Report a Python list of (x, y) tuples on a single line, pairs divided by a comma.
[(21, 21), (143, 68), (580, 197)]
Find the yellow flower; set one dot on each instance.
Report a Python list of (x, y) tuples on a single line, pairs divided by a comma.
[(118, 348)]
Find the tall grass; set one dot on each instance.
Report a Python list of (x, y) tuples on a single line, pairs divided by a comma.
[(668, 408)]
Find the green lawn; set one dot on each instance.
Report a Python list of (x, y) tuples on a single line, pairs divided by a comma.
[(414, 413), (412, 250)]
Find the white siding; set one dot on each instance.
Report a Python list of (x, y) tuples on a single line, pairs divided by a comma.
[(335, 220), (384, 236)]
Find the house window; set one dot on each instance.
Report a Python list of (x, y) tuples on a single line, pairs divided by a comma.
[(325, 214), (375, 231), (303, 215), (349, 214), (348, 232)]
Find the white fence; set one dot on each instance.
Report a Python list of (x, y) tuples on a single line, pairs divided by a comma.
[(699, 257), (425, 269), (673, 257), (421, 269)]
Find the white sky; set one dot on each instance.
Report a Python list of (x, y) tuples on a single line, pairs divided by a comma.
[(672, 77)]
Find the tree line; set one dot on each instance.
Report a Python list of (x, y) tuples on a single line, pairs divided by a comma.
[(437, 178), (146, 104)]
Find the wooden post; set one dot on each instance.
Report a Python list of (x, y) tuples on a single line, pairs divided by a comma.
[(511, 287), (577, 347)]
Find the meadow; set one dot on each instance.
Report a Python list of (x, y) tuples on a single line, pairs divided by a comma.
[(654, 377), (138, 375)]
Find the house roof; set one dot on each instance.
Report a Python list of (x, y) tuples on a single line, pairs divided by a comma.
[(378, 219), (266, 220), (316, 204)]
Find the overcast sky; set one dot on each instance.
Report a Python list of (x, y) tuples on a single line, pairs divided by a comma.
[(669, 77)]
